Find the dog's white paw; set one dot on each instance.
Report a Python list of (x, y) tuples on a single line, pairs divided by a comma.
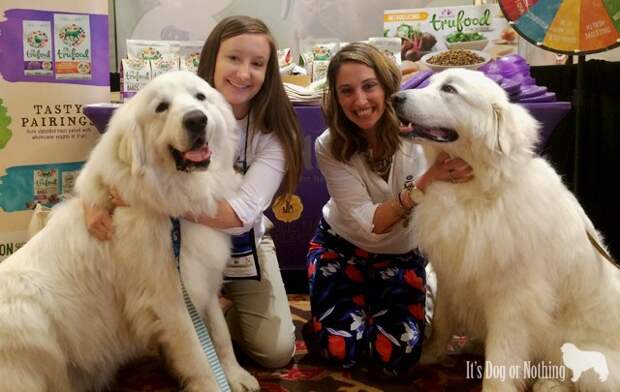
[(548, 385), (241, 380)]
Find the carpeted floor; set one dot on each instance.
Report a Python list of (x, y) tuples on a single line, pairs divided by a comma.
[(307, 373)]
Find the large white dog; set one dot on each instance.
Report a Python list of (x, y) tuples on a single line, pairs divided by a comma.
[(511, 249), (72, 308)]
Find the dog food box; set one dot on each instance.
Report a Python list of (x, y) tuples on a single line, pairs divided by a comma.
[(37, 43), (72, 46), (426, 30)]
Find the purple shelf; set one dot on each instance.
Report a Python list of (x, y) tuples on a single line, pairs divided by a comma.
[(416, 80)]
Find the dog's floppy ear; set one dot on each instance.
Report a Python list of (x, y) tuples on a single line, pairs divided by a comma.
[(500, 139), (131, 144), (513, 128)]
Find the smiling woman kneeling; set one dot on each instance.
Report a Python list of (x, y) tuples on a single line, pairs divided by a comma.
[(366, 278)]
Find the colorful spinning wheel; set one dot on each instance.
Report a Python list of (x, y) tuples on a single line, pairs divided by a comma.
[(566, 26)]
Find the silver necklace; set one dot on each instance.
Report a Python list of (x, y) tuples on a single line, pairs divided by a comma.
[(380, 166)]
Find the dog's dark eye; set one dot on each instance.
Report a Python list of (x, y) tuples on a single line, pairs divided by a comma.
[(162, 107), (446, 88), (200, 97)]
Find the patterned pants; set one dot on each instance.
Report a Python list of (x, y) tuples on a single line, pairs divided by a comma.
[(365, 304)]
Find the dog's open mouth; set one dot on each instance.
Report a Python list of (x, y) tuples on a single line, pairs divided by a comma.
[(439, 135), (198, 158)]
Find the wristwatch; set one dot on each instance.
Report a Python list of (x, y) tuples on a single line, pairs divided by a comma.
[(415, 194)]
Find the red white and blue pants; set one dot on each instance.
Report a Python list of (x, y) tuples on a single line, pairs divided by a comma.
[(365, 304)]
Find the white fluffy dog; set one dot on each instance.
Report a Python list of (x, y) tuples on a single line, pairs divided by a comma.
[(514, 264), (72, 308)]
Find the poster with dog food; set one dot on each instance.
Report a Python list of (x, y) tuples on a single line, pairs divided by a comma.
[(54, 62), (426, 30)]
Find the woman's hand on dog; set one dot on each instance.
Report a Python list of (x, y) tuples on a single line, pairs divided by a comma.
[(99, 219), (98, 222), (447, 169)]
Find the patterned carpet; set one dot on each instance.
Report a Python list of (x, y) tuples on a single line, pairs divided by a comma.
[(308, 373)]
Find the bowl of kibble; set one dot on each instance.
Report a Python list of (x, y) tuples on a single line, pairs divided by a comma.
[(455, 58)]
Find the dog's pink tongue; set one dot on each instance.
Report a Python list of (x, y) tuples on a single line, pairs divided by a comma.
[(201, 154)]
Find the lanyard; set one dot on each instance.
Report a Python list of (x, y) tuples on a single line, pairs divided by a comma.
[(244, 263), (199, 325)]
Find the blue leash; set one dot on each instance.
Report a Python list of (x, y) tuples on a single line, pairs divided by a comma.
[(199, 325)]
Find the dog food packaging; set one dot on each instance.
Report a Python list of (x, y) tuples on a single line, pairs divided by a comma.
[(324, 50), (135, 74), (72, 46), (46, 188), (189, 54), (68, 181), (306, 60), (163, 65), (285, 57), (321, 51), (319, 69), (152, 50), (37, 43), (165, 56), (390, 46)]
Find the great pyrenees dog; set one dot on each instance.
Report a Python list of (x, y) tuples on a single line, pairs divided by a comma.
[(515, 255), (72, 308)]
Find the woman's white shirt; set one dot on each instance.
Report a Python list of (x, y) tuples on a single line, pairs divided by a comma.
[(356, 191), (266, 167)]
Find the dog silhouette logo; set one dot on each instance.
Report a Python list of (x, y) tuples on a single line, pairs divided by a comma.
[(579, 361)]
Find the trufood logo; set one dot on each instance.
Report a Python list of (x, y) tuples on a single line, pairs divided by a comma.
[(446, 21), (578, 361)]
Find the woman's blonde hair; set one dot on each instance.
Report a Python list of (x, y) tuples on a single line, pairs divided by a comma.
[(271, 109), (347, 138)]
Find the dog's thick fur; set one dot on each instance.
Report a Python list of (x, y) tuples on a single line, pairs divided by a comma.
[(72, 308), (510, 248)]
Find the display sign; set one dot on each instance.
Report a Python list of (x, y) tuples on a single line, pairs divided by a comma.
[(425, 30), (53, 61)]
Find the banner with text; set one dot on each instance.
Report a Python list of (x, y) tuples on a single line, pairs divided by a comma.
[(54, 59)]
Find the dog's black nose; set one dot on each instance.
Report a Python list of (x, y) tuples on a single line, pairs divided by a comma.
[(399, 98), (195, 122)]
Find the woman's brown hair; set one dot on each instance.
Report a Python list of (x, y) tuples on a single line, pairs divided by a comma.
[(271, 109), (347, 138)]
